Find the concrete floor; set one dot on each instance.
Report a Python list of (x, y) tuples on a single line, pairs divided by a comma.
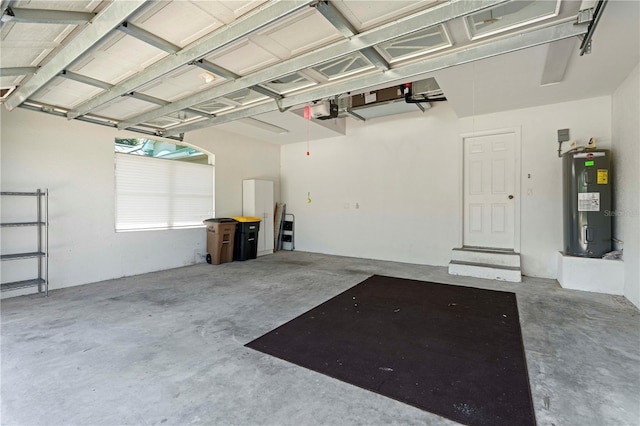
[(167, 348)]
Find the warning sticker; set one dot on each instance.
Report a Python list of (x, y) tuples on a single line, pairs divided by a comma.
[(589, 202), (603, 176), (370, 97)]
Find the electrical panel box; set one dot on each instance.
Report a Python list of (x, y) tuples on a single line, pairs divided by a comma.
[(587, 203), (563, 135)]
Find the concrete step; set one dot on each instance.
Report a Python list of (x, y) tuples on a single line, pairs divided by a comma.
[(487, 271), (486, 256)]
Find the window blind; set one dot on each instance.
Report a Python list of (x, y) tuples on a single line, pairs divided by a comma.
[(153, 193)]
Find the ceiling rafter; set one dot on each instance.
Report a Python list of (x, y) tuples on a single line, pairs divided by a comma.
[(426, 18), (198, 112), (15, 71), (61, 112), (147, 98), (45, 16), (267, 92), (85, 79), (342, 24), (468, 54), (108, 19), (147, 37), (215, 69), (229, 75), (241, 27)]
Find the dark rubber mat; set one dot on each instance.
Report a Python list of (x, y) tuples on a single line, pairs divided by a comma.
[(450, 350)]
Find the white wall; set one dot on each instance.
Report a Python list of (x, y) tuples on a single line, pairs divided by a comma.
[(404, 173), (75, 161), (392, 169), (541, 218), (626, 178), (237, 158)]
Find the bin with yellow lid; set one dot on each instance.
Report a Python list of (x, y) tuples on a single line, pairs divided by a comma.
[(244, 219), (246, 237)]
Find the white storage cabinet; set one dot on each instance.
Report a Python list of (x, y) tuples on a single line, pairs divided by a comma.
[(257, 200)]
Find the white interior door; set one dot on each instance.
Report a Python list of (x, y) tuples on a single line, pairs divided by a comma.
[(489, 191)]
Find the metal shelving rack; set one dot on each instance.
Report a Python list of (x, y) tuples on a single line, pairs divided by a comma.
[(42, 249)]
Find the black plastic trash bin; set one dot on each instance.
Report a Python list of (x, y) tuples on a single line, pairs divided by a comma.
[(245, 246)]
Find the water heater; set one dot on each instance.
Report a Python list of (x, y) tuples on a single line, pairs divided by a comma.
[(587, 203)]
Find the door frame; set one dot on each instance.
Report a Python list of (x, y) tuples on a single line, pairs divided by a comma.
[(517, 132)]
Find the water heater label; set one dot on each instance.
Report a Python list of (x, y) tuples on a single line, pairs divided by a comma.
[(588, 201), (603, 176)]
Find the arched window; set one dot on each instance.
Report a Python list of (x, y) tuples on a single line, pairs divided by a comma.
[(160, 185)]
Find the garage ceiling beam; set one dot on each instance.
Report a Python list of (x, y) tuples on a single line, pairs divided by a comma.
[(399, 75), (86, 80), (245, 25), (157, 101), (198, 112), (146, 98), (104, 22), (229, 75), (44, 16), (215, 69), (147, 37), (10, 72), (427, 18), (375, 58), (266, 92), (335, 18), (342, 24)]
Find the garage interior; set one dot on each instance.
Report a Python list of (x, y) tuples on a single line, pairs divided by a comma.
[(359, 114)]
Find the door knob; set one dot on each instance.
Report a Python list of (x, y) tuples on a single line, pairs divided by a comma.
[(511, 197)]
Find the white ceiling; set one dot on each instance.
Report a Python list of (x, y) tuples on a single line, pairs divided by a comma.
[(513, 80), (263, 56)]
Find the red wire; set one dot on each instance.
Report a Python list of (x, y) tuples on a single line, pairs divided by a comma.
[(308, 137)]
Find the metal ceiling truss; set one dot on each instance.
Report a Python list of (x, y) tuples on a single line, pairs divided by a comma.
[(136, 95), (267, 92), (10, 72), (467, 54), (243, 26), (585, 45), (215, 69), (426, 18), (376, 71), (93, 120), (342, 24), (103, 23), (42, 16), (147, 37), (147, 98), (85, 79)]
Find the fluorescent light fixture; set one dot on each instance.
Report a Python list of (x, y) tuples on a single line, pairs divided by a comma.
[(264, 125), (559, 54)]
